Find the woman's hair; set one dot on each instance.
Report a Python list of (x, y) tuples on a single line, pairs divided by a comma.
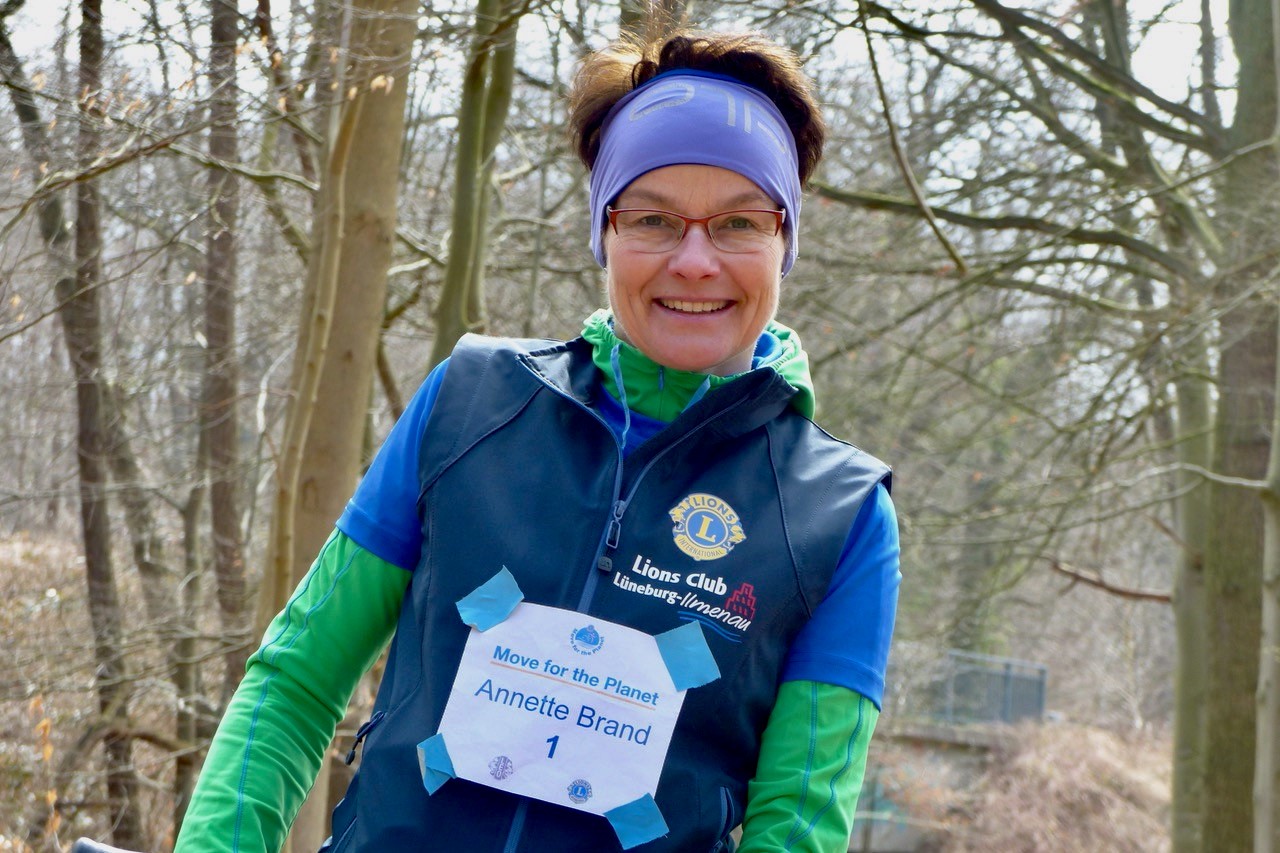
[(607, 75)]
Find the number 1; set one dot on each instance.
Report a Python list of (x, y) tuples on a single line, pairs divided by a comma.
[(553, 740)]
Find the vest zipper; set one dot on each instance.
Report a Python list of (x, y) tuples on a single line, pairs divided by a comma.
[(614, 533), (611, 538)]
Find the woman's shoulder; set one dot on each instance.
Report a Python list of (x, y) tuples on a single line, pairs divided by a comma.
[(801, 437)]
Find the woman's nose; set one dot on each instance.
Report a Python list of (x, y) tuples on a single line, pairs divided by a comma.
[(695, 256)]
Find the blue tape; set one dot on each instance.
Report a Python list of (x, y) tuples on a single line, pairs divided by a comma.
[(491, 602), (637, 822), (687, 656), (434, 763)]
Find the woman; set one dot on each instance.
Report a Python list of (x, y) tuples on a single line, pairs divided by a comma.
[(659, 472)]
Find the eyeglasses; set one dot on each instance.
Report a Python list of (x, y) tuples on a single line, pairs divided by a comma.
[(736, 231)]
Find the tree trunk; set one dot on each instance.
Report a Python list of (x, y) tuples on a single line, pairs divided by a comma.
[(486, 94), (1191, 436), (174, 622), (329, 21), (218, 412), (332, 455), (1266, 784), (497, 103), (319, 302), (1245, 406), (187, 726), (382, 34), (1266, 788), (81, 323), (1191, 675)]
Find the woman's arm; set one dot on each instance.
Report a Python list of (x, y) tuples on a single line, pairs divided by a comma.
[(269, 745), (812, 759), (814, 748), (268, 748)]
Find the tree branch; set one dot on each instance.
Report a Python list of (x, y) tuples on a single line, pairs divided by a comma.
[(1017, 20), (1094, 579), (286, 107), (1071, 233), (1258, 486), (908, 176)]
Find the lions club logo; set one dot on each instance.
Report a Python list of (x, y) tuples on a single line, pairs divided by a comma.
[(579, 790), (706, 528)]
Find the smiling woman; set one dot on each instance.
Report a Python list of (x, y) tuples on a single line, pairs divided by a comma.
[(675, 432)]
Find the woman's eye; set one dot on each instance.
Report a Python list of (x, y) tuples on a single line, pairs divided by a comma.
[(653, 220), (739, 223)]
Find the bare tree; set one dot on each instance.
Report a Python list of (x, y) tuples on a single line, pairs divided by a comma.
[(486, 96), (219, 420)]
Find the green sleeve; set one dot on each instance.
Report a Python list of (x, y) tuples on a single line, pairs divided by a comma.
[(268, 748), (812, 758)]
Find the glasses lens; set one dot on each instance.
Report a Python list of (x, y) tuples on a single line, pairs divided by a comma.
[(649, 230), (743, 230)]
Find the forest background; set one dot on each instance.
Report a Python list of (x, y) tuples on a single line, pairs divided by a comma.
[(1038, 275)]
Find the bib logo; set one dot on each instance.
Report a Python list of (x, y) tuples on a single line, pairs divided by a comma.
[(579, 791), (501, 768), (586, 641), (706, 528)]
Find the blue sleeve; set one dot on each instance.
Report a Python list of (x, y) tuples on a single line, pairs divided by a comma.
[(846, 643), (382, 516)]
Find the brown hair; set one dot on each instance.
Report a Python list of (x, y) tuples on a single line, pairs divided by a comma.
[(607, 75)]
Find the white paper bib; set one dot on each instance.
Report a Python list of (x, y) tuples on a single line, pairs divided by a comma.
[(562, 707)]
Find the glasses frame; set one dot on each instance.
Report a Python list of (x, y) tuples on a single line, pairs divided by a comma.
[(779, 216)]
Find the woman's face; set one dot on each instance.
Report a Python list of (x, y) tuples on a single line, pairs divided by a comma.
[(695, 307)]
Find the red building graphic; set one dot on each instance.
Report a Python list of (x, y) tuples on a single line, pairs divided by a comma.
[(743, 601)]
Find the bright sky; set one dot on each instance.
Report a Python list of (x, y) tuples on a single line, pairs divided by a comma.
[(1165, 61)]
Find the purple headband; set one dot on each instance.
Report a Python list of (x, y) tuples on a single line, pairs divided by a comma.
[(688, 116)]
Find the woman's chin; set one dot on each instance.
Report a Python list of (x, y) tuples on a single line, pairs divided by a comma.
[(715, 362)]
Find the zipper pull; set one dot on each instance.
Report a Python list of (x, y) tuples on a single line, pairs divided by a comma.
[(363, 732), (611, 539)]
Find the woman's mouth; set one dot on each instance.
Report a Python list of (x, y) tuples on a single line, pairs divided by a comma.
[(685, 306)]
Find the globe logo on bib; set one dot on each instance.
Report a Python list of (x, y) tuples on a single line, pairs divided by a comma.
[(586, 640), (706, 528)]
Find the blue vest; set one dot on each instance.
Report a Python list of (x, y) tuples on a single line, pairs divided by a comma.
[(518, 470)]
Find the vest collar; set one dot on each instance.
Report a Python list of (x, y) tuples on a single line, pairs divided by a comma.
[(732, 409)]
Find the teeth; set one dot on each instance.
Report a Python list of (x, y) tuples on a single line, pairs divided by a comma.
[(693, 307)]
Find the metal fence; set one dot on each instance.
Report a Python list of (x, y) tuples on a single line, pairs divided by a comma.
[(963, 687)]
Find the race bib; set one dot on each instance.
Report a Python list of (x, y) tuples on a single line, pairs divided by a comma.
[(562, 707)]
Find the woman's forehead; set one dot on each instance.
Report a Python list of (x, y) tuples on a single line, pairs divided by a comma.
[(695, 185)]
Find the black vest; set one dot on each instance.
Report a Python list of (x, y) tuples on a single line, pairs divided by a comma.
[(517, 470)]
